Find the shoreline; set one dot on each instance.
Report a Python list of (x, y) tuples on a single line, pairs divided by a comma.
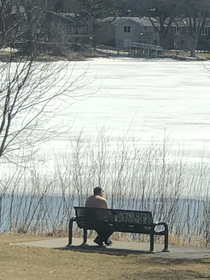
[(102, 53)]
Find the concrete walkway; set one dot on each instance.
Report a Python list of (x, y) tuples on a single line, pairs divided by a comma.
[(119, 247)]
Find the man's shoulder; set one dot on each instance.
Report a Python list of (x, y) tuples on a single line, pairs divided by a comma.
[(103, 201), (96, 201), (100, 197), (91, 197)]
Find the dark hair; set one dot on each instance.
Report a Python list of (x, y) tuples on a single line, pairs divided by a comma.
[(97, 190)]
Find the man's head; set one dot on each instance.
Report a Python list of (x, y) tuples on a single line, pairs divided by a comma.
[(98, 191)]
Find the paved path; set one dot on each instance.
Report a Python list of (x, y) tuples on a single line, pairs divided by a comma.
[(119, 247)]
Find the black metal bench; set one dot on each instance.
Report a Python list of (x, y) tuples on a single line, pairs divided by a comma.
[(120, 220)]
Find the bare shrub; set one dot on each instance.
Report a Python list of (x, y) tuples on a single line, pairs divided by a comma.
[(134, 176)]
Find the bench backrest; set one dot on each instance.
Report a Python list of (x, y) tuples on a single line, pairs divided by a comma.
[(90, 216)]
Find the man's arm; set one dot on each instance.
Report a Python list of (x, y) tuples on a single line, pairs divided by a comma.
[(87, 202), (105, 204)]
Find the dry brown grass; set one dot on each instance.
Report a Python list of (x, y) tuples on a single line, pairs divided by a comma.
[(24, 262), (199, 55), (83, 55)]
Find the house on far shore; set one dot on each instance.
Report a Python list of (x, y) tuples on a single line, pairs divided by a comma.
[(66, 27), (182, 39), (129, 30)]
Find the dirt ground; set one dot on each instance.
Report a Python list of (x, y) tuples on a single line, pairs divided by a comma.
[(32, 263)]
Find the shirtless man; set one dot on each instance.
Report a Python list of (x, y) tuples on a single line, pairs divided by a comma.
[(98, 201)]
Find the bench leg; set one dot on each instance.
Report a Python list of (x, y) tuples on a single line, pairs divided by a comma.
[(70, 232), (166, 242), (152, 244), (84, 237)]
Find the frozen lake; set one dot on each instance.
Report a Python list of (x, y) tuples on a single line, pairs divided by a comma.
[(148, 99), (156, 98)]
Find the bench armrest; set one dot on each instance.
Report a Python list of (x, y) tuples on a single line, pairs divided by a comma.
[(160, 223), (165, 231)]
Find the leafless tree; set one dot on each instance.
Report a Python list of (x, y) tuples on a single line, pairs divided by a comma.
[(161, 14), (193, 16), (22, 22), (91, 11), (29, 89)]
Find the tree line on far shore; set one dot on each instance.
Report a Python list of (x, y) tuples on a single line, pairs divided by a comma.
[(30, 17)]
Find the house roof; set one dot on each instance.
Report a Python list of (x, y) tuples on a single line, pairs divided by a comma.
[(184, 22), (71, 17), (143, 21)]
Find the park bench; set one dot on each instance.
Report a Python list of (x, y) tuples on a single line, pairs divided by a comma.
[(129, 221)]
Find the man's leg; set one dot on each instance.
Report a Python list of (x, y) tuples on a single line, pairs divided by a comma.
[(104, 232)]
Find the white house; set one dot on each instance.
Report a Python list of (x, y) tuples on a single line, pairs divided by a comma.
[(135, 29)]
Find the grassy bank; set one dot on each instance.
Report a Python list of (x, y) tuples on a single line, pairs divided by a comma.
[(24, 262), (186, 54), (100, 52)]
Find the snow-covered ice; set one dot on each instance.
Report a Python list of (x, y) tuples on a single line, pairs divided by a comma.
[(158, 98)]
